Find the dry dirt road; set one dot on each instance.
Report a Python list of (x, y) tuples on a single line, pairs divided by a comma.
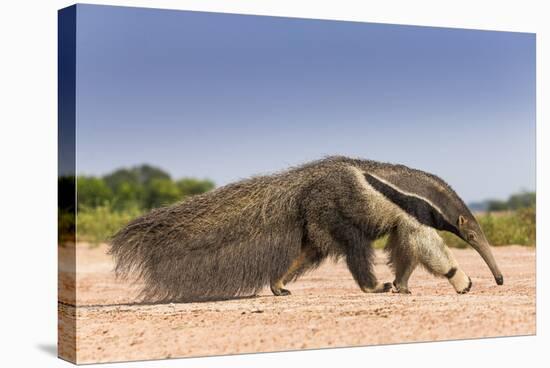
[(326, 309)]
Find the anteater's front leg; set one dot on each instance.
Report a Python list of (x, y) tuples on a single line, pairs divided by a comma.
[(360, 258), (436, 257), (402, 259)]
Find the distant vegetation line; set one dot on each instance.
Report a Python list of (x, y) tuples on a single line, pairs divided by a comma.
[(516, 201), (143, 187), (107, 203)]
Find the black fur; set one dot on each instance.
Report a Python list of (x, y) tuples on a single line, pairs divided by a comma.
[(451, 273), (414, 206), (468, 288)]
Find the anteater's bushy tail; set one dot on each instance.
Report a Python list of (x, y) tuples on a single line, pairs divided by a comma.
[(180, 264)]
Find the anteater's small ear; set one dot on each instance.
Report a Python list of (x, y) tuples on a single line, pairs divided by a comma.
[(461, 220)]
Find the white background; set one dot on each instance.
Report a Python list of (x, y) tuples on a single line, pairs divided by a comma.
[(28, 180)]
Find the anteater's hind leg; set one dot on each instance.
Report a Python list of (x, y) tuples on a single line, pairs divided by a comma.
[(307, 259), (277, 287), (402, 260), (436, 257)]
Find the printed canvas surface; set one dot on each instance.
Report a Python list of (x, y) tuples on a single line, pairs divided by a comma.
[(238, 184)]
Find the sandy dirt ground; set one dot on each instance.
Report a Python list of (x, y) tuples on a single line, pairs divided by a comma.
[(326, 309)]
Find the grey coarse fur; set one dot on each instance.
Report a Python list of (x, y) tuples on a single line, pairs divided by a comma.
[(239, 238)]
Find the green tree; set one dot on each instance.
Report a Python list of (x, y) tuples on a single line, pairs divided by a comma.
[(128, 195), (140, 175), (161, 192), (131, 187), (192, 186), (494, 205), (514, 202), (92, 192), (522, 200)]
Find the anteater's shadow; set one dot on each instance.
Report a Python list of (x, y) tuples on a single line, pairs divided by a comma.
[(164, 302)]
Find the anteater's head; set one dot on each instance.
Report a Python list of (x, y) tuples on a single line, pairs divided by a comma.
[(470, 231), (434, 203)]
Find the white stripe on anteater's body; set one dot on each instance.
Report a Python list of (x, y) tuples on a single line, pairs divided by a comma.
[(413, 239)]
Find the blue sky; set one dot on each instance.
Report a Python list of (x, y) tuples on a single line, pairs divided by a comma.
[(228, 96)]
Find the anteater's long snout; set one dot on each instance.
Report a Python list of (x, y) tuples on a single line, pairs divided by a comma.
[(484, 250)]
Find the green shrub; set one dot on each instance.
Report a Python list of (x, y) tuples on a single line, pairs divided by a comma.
[(161, 192), (92, 192), (192, 186), (97, 224), (515, 227)]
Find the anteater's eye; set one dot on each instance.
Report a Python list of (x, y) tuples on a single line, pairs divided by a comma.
[(472, 236)]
